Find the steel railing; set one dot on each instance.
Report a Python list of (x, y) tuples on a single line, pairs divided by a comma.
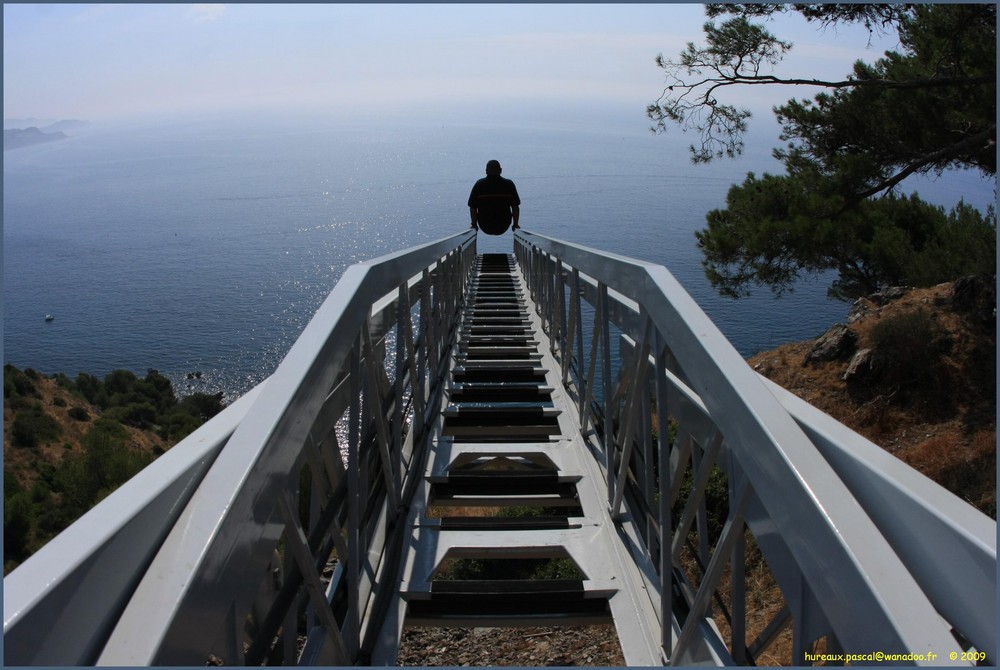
[(279, 514), (870, 557), (61, 604), (273, 533)]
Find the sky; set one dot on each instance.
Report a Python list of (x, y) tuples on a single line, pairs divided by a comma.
[(117, 61)]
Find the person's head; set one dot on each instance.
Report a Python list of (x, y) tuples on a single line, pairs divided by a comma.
[(493, 167)]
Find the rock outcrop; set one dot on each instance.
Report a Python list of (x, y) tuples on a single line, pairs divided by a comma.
[(836, 344)]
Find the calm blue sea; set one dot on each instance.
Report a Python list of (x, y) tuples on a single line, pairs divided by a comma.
[(207, 246)]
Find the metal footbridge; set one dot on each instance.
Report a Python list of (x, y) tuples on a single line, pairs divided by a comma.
[(448, 418)]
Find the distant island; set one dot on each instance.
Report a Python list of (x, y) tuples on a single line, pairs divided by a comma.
[(18, 137)]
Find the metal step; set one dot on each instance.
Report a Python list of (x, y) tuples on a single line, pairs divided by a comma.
[(507, 451), (503, 602)]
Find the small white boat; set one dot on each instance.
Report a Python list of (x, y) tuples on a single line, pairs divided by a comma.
[(49, 317)]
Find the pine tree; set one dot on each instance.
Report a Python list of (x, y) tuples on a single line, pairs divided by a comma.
[(928, 108)]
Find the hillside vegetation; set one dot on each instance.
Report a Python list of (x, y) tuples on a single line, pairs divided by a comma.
[(914, 371), (69, 442)]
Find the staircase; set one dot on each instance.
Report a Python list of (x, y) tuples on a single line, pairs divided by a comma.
[(558, 436), (509, 485)]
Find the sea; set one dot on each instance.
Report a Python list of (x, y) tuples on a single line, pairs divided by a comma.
[(202, 247)]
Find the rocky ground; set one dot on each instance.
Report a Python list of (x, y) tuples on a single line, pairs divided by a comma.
[(562, 646), (927, 396)]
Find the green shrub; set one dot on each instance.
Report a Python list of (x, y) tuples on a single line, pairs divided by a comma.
[(79, 414), (17, 522), (22, 434), (716, 501), (11, 486), (47, 473), (158, 390), (64, 382), (89, 386), (40, 492), (50, 520), (33, 427), (66, 491), (909, 358), (59, 401), (177, 425), (107, 462), (119, 381), (138, 414), (202, 406), (17, 383)]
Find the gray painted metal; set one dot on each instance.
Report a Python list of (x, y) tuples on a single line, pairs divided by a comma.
[(843, 580), (589, 539), (948, 546), (60, 605), (291, 505), (195, 599)]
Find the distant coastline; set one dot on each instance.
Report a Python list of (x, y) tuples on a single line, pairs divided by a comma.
[(15, 136)]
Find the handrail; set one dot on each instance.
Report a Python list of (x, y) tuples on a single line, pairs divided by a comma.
[(205, 586), (806, 520), (287, 510), (60, 604), (952, 555), (953, 551)]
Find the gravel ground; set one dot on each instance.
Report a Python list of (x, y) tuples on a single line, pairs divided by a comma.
[(561, 646)]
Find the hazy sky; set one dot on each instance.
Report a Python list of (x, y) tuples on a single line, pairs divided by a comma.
[(101, 62)]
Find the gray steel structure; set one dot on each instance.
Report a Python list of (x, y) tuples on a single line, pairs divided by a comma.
[(293, 527)]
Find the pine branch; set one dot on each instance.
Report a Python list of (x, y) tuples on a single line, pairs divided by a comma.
[(978, 140)]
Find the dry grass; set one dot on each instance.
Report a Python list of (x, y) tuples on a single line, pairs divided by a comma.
[(441, 511), (947, 431), (763, 600), (25, 464)]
